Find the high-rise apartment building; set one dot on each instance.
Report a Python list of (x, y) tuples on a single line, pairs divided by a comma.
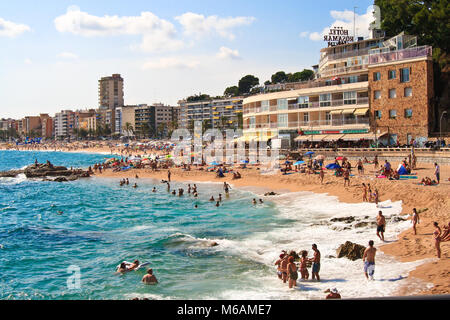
[(110, 92)]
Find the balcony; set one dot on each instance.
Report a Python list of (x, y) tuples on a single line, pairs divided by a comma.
[(343, 70), (343, 55), (410, 53), (358, 121)]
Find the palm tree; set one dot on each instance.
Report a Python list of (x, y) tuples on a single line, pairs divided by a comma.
[(128, 128)]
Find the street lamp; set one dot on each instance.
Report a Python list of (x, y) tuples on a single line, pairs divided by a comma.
[(440, 126)]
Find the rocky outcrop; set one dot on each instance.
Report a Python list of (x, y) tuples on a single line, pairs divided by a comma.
[(351, 251), (270, 194), (344, 219), (45, 171)]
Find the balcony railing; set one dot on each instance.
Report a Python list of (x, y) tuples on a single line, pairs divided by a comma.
[(305, 125), (342, 70), (314, 104), (343, 55), (410, 53)]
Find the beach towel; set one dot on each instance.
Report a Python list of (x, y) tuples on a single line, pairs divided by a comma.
[(402, 170)]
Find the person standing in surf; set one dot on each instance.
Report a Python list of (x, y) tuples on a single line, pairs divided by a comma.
[(278, 264), (369, 260), (149, 278), (316, 263), (283, 268), (381, 225), (292, 271)]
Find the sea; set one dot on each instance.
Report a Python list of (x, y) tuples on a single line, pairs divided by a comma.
[(65, 240)]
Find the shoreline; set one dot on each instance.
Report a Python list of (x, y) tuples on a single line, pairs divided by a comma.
[(406, 248), (436, 272)]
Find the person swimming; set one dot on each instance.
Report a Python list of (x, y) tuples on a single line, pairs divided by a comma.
[(254, 201), (154, 189), (135, 185), (212, 199), (218, 204), (149, 278)]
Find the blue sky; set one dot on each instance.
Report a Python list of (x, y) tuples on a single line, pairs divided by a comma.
[(53, 52)]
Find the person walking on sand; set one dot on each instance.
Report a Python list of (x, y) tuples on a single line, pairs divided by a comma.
[(415, 220), (321, 175), (437, 238), (292, 271), (437, 172), (364, 192), (169, 174), (376, 197), (369, 260), (381, 225), (316, 263), (347, 177)]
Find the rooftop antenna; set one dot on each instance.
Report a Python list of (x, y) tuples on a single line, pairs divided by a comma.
[(354, 22)]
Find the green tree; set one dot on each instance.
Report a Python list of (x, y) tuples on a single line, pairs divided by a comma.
[(279, 77), (128, 128), (231, 91), (429, 20), (304, 75), (247, 83)]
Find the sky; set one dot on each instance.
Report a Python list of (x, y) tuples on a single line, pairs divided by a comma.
[(52, 53)]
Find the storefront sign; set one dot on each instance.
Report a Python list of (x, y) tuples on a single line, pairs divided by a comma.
[(310, 133), (338, 36)]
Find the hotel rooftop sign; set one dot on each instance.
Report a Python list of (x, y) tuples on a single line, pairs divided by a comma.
[(338, 36)]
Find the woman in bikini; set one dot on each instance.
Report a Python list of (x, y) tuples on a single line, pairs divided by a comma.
[(303, 267), (437, 238), (292, 272)]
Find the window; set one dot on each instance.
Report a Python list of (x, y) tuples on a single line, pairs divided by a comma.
[(408, 92), (282, 120), (392, 93), (303, 102), (252, 122), (378, 114), (282, 104), (392, 74), (265, 105), (377, 94), (325, 100), (306, 117), (404, 74), (408, 113), (392, 114), (376, 76), (353, 79), (350, 97)]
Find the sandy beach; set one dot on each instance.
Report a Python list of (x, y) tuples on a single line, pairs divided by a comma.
[(435, 199), (408, 247)]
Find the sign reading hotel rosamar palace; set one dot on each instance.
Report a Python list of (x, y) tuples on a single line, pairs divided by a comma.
[(338, 36)]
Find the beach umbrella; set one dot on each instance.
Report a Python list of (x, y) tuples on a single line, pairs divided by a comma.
[(309, 153), (299, 163), (214, 163), (244, 161), (287, 162), (333, 166), (340, 158)]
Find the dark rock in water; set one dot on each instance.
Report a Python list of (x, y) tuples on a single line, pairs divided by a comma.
[(47, 170), (60, 179), (365, 224), (10, 174), (270, 194), (397, 219), (214, 244), (344, 219), (330, 257), (351, 251)]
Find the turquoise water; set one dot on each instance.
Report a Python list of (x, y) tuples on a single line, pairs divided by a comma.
[(95, 224), (49, 229)]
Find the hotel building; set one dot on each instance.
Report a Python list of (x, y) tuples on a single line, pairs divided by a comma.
[(219, 113), (373, 89)]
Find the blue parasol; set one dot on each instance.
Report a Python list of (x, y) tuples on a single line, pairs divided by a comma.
[(333, 166), (299, 163)]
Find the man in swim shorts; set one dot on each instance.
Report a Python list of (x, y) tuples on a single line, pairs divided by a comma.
[(369, 260), (381, 225), (316, 263)]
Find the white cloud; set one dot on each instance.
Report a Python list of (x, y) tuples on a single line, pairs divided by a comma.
[(304, 34), (157, 34), (345, 19), (67, 55), (28, 61), (198, 25), (11, 29), (171, 63), (227, 53)]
